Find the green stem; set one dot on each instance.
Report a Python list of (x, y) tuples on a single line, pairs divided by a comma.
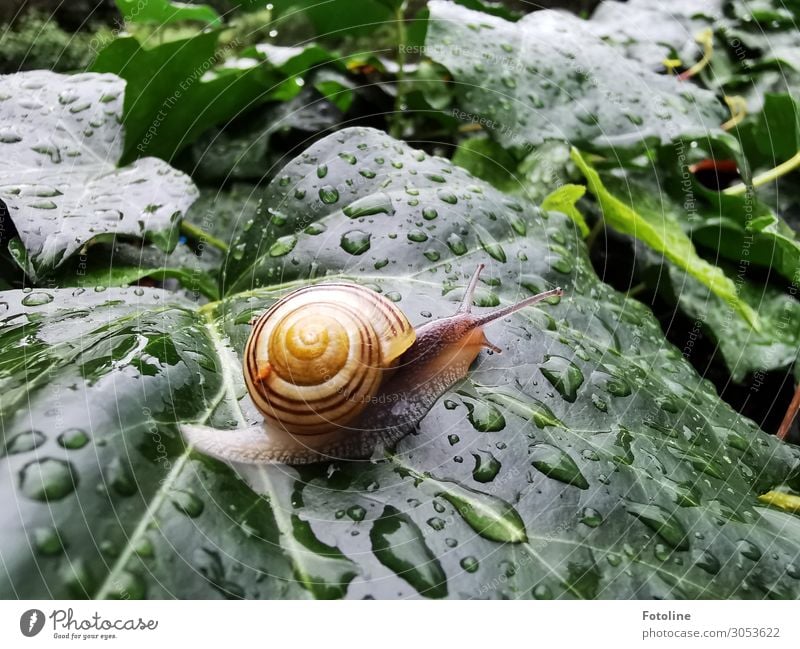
[(191, 230), (396, 129), (597, 228), (766, 177), (633, 291)]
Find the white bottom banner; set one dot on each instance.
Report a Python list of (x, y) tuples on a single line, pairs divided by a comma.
[(387, 624)]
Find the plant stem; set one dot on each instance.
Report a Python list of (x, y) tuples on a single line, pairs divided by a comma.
[(597, 228), (791, 413), (396, 129), (194, 232), (766, 177), (633, 291)]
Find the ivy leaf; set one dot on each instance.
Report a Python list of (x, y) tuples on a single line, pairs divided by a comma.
[(587, 460), (743, 350), (173, 94), (547, 77), (564, 200), (164, 12), (652, 225), (62, 185)]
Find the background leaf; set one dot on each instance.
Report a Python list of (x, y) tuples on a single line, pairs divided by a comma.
[(548, 77), (164, 12), (62, 186)]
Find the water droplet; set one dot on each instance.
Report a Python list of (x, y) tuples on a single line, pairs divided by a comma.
[(48, 541), (399, 545), (456, 244), (564, 375), (48, 479), (542, 591), (428, 213), (328, 194), (356, 242), (666, 525), (127, 585), (436, 523), (8, 136), (373, 204), (120, 477), (24, 442), (431, 254), (489, 516), (470, 564), (349, 158), (417, 236), (484, 416), (749, 550), (618, 387), (37, 298), (187, 503), (315, 229), (591, 517), (709, 563), (283, 245), (447, 196), (321, 569), (357, 513), (486, 467), (73, 439), (557, 464), (322, 171), (493, 249)]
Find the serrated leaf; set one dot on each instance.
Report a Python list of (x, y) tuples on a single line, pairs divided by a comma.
[(642, 483), (62, 185)]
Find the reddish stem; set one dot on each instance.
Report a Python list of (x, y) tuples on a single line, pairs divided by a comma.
[(791, 413)]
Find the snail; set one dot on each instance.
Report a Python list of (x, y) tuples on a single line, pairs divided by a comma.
[(337, 371)]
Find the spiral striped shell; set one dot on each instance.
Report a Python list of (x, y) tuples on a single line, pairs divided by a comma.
[(316, 357)]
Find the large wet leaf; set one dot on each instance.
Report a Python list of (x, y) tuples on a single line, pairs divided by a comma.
[(548, 77), (586, 460), (61, 142)]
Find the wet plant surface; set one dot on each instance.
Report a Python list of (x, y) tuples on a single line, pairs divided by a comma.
[(588, 459)]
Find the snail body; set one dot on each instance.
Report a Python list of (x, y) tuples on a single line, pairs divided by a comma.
[(338, 371)]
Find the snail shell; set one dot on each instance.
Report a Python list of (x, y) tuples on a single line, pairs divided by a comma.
[(317, 357)]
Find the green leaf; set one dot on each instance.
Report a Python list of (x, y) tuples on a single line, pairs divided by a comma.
[(164, 12), (122, 264), (651, 32), (563, 200), (336, 19), (62, 185), (547, 77), (744, 351), (242, 151), (652, 225), (488, 161), (171, 99), (637, 482)]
